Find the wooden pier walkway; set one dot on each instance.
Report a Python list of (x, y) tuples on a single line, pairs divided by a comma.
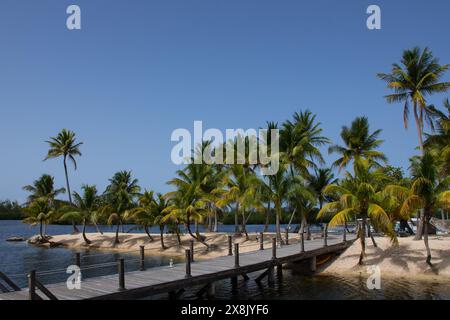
[(138, 284)]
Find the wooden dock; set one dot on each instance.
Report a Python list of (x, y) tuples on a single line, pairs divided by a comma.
[(174, 280)]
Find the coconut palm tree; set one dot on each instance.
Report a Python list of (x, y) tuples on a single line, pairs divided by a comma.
[(278, 187), (241, 187), (417, 76), (426, 192), (318, 181), (439, 141), (143, 214), (65, 145), (358, 197), (161, 204), (358, 143), (302, 198), (84, 208), (119, 197), (300, 140), (43, 188), (188, 201), (39, 212)]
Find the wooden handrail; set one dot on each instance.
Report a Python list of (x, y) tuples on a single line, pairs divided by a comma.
[(9, 282), (45, 291)]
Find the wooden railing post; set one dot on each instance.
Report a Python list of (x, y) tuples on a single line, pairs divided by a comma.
[(121, 269), (325, 235), (78, 259), (32, 285), (188, 264), (142, 262), (230, 246), (261, 241), (303, 241), (287, 236), (236, 255), (191, 247), (274, 248)]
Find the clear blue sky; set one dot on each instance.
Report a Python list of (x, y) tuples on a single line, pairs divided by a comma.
[(140, 69)]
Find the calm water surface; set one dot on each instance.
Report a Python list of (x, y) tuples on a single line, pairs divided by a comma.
[(16, 259)]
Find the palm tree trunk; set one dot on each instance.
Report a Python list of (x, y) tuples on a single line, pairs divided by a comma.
[(97, 228), (419, 127), (148, 233), (266, 225), (117, 234), (40, 231), (308, 231), (161, 232), (177, 231), (86, 240), (425, 236), (278, 227), (244, 228), (215, 220), (236, 219), (74, 226), (420, 225), (188, 227), (369, 231), (362, 238)]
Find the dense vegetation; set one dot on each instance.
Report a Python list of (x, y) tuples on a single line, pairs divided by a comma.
[(10, 210), (370, 192)]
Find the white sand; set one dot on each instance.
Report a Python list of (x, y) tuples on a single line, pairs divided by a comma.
[(218, 243), (405, 261)]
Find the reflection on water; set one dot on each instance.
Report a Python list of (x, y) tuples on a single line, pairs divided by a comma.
[(16, 259)]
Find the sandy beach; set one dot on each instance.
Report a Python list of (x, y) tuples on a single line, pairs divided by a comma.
[(407, 260), (218, 243)]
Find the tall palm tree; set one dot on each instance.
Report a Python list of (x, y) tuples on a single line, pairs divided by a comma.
[(417, 76), (300, 140), (65, 145), (119, 196), (358, 197), (358, 143), (426, 192), (84, 208)]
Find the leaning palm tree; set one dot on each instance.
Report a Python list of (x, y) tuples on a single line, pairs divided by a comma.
[(426, 192), (188, 201), (417, 76), (358, 143), (84, 209), (119, 197), (143, 214), (65, 145), (358, 197)]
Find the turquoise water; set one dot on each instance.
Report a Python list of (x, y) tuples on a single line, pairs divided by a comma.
[(17, 259)]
